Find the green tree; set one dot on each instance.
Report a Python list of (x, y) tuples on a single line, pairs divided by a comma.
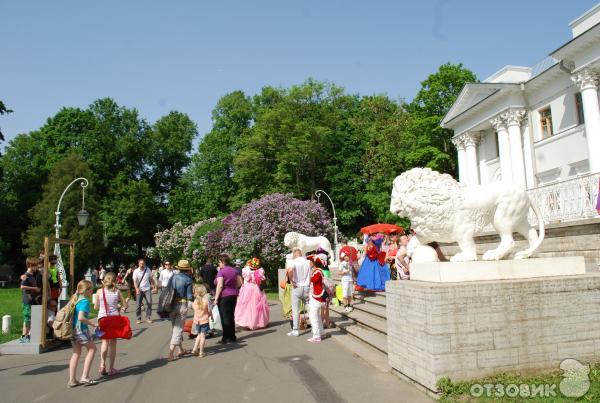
[(88, 239), (130, 213), (3, 110), (383, 123), (431, 145), (206, 188), (171, 141), (23, 174)]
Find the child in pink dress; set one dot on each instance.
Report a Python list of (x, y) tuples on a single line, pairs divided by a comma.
[(252, 309)]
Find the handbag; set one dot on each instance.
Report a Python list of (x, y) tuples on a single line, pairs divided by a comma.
[(215, 322), (115, 326), (166, 299)]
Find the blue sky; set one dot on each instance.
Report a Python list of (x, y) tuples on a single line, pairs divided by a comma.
[(159, 56)]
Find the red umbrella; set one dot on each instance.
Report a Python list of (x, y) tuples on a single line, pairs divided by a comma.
[(384, 228), (350, 251)]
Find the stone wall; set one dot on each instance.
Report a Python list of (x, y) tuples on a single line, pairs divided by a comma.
[(580, 238), (470, 330)]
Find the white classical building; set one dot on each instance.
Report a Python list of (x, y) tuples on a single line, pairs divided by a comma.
[(538, 126)]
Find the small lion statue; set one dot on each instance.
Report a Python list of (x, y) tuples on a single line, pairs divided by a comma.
[(440, 209), (307, 243)]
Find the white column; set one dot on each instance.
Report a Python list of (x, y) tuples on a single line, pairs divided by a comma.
[(504, 148), (513, 120), (587, 81), (462, 158), (529, 155), (471, 143)]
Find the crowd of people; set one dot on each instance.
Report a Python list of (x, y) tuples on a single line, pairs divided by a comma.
[(229, 295), (220, 297)]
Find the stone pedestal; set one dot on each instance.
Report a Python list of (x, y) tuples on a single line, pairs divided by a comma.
[(475, 329), (33, 347), (452, 272)]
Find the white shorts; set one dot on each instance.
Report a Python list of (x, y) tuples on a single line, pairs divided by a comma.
[(347, 289)]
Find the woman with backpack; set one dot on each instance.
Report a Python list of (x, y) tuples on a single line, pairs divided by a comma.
[(107, 304), (82, 336)]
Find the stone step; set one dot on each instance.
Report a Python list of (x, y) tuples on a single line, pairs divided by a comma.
[(370, 308), (366, 335), (376, 299), (357, 347), (362, 318)]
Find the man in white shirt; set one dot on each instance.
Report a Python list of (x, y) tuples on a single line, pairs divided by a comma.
[(165, 274), (300, 270), (144, 286)]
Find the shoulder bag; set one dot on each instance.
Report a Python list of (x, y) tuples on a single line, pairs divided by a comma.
[(115, 326)]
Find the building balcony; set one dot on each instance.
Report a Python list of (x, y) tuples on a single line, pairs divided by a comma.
[(569, 200)]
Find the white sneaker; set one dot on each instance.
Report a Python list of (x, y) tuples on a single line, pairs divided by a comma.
[(293, 333), (350, 309)]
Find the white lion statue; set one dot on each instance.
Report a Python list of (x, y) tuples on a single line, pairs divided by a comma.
[(440, 209), (307, 243)]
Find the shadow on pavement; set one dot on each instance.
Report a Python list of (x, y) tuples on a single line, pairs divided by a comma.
[(46, 369), (223, 348), (141, 368), (255, 333)]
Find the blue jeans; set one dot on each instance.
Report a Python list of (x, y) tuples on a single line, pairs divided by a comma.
[(146, 295)]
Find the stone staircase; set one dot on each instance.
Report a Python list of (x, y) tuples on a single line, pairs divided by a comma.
[(364, 330)]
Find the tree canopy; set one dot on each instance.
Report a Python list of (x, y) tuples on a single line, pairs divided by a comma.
[(292, 140)]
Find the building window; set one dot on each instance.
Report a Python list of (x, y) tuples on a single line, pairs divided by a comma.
[(546, 122), (579, 107), (497, 144)]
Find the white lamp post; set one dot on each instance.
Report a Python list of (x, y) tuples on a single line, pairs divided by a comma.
[(318, 193), (82, 218)]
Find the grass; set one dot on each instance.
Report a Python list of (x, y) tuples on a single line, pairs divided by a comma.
[(10, 304), (460, 391), (272, 293)]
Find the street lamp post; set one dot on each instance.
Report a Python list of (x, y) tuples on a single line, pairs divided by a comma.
[(318, 193), (82, 218)]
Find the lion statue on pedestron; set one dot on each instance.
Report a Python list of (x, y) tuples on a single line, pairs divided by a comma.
[(440, 209), (307, 243)]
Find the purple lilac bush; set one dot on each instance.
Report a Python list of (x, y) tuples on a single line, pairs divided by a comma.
[(258, 228)]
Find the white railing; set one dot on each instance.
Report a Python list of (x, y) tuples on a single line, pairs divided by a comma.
[(570, 200)]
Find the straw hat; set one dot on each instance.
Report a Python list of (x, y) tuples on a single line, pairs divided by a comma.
[(183, 265)]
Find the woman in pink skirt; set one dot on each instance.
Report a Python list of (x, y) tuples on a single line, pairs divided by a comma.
[(252, 309)]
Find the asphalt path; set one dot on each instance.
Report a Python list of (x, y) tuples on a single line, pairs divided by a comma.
[(264, 365)]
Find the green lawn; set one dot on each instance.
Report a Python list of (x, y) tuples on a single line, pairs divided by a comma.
[(10, 304), (272, 293)]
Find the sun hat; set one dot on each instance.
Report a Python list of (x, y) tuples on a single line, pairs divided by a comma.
[(183, 265)]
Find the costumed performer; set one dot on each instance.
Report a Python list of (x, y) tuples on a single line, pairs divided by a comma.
[(374, 272), (252, 309)]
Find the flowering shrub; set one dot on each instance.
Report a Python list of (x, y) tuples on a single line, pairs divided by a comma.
[(196, 249), (172, 243), (258, 228)]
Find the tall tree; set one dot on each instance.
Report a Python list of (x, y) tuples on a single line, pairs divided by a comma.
[(130, 213), (206, 188), (88, 239), (432, 144), (171, 141)]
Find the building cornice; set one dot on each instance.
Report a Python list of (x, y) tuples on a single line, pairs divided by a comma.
[(582, 41), (492, 88)]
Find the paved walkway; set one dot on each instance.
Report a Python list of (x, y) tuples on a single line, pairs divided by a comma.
[(265, 366)]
